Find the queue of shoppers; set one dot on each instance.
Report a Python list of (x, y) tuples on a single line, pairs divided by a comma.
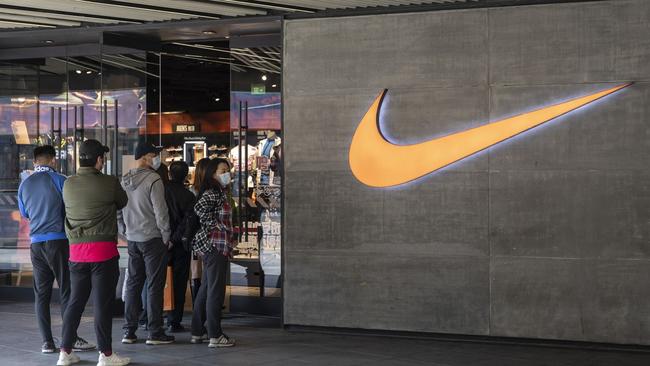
[(74, 228)]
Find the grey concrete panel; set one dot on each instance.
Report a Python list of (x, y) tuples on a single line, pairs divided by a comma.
[(423, 293), (570, 214), (445, 214), (610, 133), (327, 210), (570, 43), (579, 299), (615, 302), (386, 51), (320, 127), (536, 298)]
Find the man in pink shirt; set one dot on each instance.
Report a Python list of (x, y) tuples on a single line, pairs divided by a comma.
[(91, 202)]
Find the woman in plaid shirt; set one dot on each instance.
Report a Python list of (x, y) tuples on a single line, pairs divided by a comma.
[(214, 242)]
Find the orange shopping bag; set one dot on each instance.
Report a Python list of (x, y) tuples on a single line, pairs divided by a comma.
[(168, 296)]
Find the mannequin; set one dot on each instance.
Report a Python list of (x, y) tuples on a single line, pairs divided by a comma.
[(265, 152), (233, 157)]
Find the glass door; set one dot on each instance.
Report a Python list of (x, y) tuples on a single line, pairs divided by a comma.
[(256, 156), (121, 111)]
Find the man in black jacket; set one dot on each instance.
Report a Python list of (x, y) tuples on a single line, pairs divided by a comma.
[(179, 201)]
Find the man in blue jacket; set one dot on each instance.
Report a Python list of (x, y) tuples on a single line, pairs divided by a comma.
[(40, 200)]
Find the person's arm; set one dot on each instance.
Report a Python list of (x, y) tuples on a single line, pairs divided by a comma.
[(157, 196), (21, 205), (207, 209), (121, 199)]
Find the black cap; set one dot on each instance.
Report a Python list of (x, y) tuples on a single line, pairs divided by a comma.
[(91, 149), (145, 148)]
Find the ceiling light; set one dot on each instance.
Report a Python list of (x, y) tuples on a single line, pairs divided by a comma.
[(264, 77), (78, 71), (208, 32), (274, 86), (88, 72), (217, 99), (48, 41), (227, 37)]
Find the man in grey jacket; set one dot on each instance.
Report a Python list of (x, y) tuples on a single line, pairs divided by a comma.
[(145, 223)]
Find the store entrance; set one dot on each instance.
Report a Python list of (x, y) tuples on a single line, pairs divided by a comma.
[(220, 101), (199, 91)]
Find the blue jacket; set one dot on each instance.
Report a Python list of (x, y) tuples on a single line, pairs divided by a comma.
[(40, 200)]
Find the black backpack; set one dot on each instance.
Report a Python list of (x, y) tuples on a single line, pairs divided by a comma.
[(188, 228)]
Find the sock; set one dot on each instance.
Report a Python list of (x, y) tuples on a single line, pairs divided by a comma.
[(66, 350), (108, 353)]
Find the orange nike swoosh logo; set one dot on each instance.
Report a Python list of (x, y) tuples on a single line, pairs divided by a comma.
[(377, 162)]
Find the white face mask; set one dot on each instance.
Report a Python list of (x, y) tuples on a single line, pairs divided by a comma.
[(224, 179), (155, 163)]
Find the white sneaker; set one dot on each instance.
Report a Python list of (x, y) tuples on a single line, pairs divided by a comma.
[(112, 360), (66, 359), (82, 345), (222, 341)]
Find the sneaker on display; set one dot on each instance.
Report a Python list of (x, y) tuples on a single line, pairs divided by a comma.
[(129, 337), (66, 359), (222, 341), (112, 360), (48, 347), (82, 345), (198, 339), (162, 338)]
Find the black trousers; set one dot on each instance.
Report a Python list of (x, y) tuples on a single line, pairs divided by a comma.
[(180, 261), (146, 260), (209, 300), (100, 278), (50, 262)]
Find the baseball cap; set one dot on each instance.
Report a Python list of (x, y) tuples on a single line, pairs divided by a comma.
[(144, 148), (91, 149)]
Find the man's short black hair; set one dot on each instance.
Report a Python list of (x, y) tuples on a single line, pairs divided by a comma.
[(89, 163), (45, 151), (178, 171)]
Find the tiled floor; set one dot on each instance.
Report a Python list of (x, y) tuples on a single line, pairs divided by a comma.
[(260, 342)]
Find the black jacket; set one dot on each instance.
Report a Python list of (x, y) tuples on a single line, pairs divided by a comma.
[(179, 202)]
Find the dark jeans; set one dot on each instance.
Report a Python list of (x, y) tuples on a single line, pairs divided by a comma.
[(50, 262), (209, 300), (101, 278), (146, 260), (180, 262)]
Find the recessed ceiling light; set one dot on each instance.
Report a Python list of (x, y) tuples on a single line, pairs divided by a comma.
[(274, 86), (227, 37), (264, 77), (217, 99), (48, 41), (78, 71), (88, 72), (208, 32)]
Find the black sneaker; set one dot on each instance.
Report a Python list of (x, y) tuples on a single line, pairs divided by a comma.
[(129, 337), (176, 328), (160, 339), (48, 347), (199, 339)]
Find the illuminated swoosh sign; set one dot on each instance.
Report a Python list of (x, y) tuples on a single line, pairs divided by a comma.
[(376, 162)]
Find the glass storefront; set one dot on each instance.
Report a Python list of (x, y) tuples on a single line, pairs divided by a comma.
[(198, 100)]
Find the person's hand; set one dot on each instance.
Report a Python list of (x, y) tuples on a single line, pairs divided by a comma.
[(169, 245)]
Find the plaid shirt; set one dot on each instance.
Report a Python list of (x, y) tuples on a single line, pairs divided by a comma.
[(215, 215)]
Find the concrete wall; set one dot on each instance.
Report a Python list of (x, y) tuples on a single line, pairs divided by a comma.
[(543, 236)]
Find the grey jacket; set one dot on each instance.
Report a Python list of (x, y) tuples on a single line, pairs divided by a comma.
[(145, 217)]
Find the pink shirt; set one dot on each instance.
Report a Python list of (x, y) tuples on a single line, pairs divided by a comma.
[(100, 251)]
